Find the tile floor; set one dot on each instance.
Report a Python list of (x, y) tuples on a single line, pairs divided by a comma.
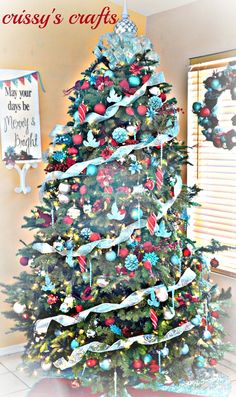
[(14, 383)]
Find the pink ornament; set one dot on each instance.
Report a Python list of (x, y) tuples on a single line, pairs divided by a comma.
[(68, 220), (142, 110), (151, 223), (77, 139), (154, 318), (100, 108), (123, 252), (82, 263), (94, 237), (24, 261), (83, 190), (82, 109), (159, 178), (85, 85), (130, 111), (147, 265)]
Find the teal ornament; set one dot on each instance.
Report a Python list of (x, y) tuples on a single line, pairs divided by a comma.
[(120, 135), (74, 344), (200, 362), (151, 257), (76, 117), (109, 74), (134, 81), (105, 365), (175, 260), (136, 214), (110, 256), (197, 106), (185, 349), (91, 170), (131, 262), (215, 84), (86, 277), (196, 321), (147, 359), (165, 351), (207, 335)]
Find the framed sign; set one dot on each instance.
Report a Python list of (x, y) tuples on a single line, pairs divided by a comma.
[(20, 120)]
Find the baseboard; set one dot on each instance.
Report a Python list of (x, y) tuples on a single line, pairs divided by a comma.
[(4, 351)]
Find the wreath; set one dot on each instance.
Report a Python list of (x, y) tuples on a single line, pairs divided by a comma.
[(215, 85)]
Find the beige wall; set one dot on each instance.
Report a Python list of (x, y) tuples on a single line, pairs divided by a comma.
[(200, 28), (60, 53)]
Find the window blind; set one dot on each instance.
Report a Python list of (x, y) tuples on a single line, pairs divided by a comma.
[(213, 170)]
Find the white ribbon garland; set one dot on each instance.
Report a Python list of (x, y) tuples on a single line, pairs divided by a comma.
[(41, 326), (97, 347)]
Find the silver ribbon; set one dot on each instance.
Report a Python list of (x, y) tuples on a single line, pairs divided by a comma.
[(45, 248), (155, 79), (41, 326), (97, 347)]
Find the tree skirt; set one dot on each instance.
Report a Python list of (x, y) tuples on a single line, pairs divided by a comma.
[(62, 388)]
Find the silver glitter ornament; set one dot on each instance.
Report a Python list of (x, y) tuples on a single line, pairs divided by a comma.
[(125, 25)]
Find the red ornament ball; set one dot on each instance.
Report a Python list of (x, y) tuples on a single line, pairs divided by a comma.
[(100, 108), (138, 364), (72, 151), (68, 220), (130, 111), (147, 265), (24, 260), (25, 316), (83, 189), (210, 328), (94, 237), (214, 263), (215, 314), (213, 362), (123, 252), (186, 252), (91, 362), (77, 139), (75, 187), (79, 308), (205, 112), (109, 321), (142, 110)]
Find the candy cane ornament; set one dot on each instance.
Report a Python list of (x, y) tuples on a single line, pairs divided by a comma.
[(154, 318), (151, 223), (82, 109), (82, 263), (159, 178)]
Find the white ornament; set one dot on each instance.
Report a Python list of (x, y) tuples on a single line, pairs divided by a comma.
[(46, 366), (64, 188), (90, 333), (132, 130), (162, 294), (73, 212), (63, 199), (101, 282), (67, 304), (87, 208), (19, 308), (169, 313), (155, 91)]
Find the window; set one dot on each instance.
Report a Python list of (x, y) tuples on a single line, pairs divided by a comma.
[(214, 170)]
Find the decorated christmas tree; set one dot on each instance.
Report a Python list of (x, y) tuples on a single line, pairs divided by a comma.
[(117, 294)]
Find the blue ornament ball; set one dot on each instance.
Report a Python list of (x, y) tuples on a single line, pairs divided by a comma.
[(200, 362), (147, 359), (197, 106), (91, 170), (215, 84), (175, 259), (134, 81), (185, 349), (110, 256), (196, 321), (207, 335), (74, 344), (136, 214), (105, 365)]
